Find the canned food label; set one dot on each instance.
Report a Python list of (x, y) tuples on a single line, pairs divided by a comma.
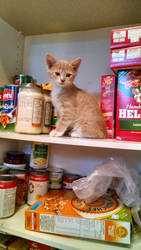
[(39, 155), (7, 198), (36, 189), (47, 114), (67, 185), (21, 188), (37, 112), (55, 180)]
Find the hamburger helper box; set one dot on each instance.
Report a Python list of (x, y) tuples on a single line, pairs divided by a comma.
[(126, 37), (128, 113), (61, 212), (108, 90), (125, 58)]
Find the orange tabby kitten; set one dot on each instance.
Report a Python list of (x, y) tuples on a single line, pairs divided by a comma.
[(78, 112)]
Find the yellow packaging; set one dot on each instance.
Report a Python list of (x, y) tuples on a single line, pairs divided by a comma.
[(61, 212), (19, 244)]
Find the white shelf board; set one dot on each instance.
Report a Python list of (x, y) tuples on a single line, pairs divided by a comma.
[(99, 143), (15, 225)]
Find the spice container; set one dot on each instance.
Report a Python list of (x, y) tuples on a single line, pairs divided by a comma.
[(7, 195), (39, 155), (68, 179), (55, 178), (47, 109), (29, 114), (15, 159), (21, 191), (53, 119), (37, 186)]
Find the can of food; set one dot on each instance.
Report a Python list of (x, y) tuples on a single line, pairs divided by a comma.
[(7, 195), (39, 155), (68, 179), (21, 191), (15, 160), (55, 178), (37, 186)]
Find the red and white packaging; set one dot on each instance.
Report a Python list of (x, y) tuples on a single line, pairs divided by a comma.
[(38, 246), (126, 37), (108, 91), (125, 58), (128, 114)]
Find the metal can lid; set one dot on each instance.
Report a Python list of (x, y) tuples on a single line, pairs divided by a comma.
[(7, 178), (39, 172), (17, 171), (71, 176), (56, 170)]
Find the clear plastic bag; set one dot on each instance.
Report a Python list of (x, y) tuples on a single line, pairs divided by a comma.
[(115, 172)]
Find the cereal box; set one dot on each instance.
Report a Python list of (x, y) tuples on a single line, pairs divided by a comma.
[(61, 212), (125, 58), (128, 114), (108, 91), (126, 37)]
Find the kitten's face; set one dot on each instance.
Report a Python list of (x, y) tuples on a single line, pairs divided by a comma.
[(62, 73)]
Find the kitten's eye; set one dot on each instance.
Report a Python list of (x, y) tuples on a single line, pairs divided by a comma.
[(68, 75), (57, 73)]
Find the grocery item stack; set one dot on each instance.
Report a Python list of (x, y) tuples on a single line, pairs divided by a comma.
[(125, 62)]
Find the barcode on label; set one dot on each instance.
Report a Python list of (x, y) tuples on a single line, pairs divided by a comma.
[(47, 223)]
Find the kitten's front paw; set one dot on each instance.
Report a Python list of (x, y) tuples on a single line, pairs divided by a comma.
[(55, 133)]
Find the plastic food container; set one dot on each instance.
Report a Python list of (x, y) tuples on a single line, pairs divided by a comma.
[(30, 105), (3, 170), (15, 159)]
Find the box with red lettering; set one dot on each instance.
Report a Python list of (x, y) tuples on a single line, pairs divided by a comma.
[(128, 110), (126, 37), (108, 91), (125, 58)]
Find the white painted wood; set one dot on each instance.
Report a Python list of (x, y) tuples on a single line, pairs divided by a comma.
[(15, 225), (11, 44)]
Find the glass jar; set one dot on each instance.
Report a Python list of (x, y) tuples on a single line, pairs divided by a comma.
[(47, 112), (14, 159), (29, 113)]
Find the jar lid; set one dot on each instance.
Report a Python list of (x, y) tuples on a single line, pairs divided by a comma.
[(15, 154)]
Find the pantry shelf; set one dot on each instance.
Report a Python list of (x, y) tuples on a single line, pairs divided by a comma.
[(15, 225), (99, 143)]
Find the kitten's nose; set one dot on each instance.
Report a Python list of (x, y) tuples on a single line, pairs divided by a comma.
[(63, 79)]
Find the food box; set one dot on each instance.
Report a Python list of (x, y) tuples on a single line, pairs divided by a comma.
[(126, 37), (108, 91), (61, 212), (128, 114), (38, 246), (8, 103), (125, 58)]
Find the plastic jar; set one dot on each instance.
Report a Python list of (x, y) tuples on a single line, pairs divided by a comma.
[(47, 112), (29, 113), (15, 160)]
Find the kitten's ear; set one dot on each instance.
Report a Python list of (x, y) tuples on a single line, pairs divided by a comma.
[(50, 61), (75, 63)]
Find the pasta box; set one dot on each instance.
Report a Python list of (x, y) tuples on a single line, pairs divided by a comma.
[(61, 212), (108, 91), (126, 37), (128, 114), (125, 58)]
